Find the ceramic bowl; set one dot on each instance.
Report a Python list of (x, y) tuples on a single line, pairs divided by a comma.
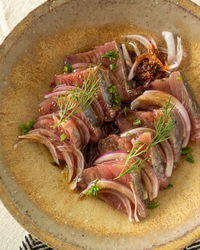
[(31, 188)]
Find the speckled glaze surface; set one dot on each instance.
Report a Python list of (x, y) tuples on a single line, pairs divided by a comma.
[(31, 188)]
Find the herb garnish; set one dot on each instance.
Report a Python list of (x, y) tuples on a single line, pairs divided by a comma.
[(113, 66), (115, 100), (169, 186), (26, 127), (93, 190), (112, 55), (79, 99), (63, 137), (163, 128), (137, 123), (54, 163), (153, 204), (179, 78), (67, 68), (188, 153), (189, 158), (112, 89), (124, 110)]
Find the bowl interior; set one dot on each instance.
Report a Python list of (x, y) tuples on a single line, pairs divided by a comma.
[(31, 188)]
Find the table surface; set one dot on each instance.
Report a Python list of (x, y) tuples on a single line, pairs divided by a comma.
[(12, 12)]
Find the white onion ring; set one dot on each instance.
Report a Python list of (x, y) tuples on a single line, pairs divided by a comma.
[(81, 125), (153, 42), (70, 165), (143, 40), (150, 173), (43, 140), (169, 157), (123, 190), (136, 131), (136, 204), (111, 156), (169, 39), (126, 55), (137, 52), (179, 55), (80, 162), (121, 197), (132, 72)]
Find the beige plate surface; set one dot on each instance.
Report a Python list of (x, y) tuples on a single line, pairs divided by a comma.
[(31, 188)]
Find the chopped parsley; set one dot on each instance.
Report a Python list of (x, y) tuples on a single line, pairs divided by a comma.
[(153, 204), (179, 78), (112, 55), (115, 100), (169, 186), (112, 89), (54, 163), (125, 109), (189, 158), (113, 66), (188, 153), (26, 127), (63, 137), (67, 68), (137, 123)]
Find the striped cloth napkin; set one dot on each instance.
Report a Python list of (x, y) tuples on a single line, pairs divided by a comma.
[(30, 243)]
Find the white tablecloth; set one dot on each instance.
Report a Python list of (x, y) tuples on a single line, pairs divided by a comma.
[(12, 12)]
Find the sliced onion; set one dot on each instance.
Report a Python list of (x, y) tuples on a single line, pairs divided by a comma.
[(179, 55), (85, 132), (80, 162), (111, 156), (82, 66), (136, 203), (137, 52), (126, 55), (153, 42), (69, 161), (136, 131), (169, 157), (133, 71), (165, 146), (163, 50), (151, 175), (159, 98), (147, 184), (123, 190), (61, 92), (169, 39), (143, 40), (122, 198), (43, 140)]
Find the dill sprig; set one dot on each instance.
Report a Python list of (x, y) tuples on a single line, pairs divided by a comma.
[(93, 190), (79, 99), (163, 127)]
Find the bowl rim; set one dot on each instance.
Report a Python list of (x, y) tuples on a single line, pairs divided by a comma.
[(10, 40)]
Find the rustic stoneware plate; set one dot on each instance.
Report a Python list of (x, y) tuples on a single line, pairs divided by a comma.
[(31, 188)]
